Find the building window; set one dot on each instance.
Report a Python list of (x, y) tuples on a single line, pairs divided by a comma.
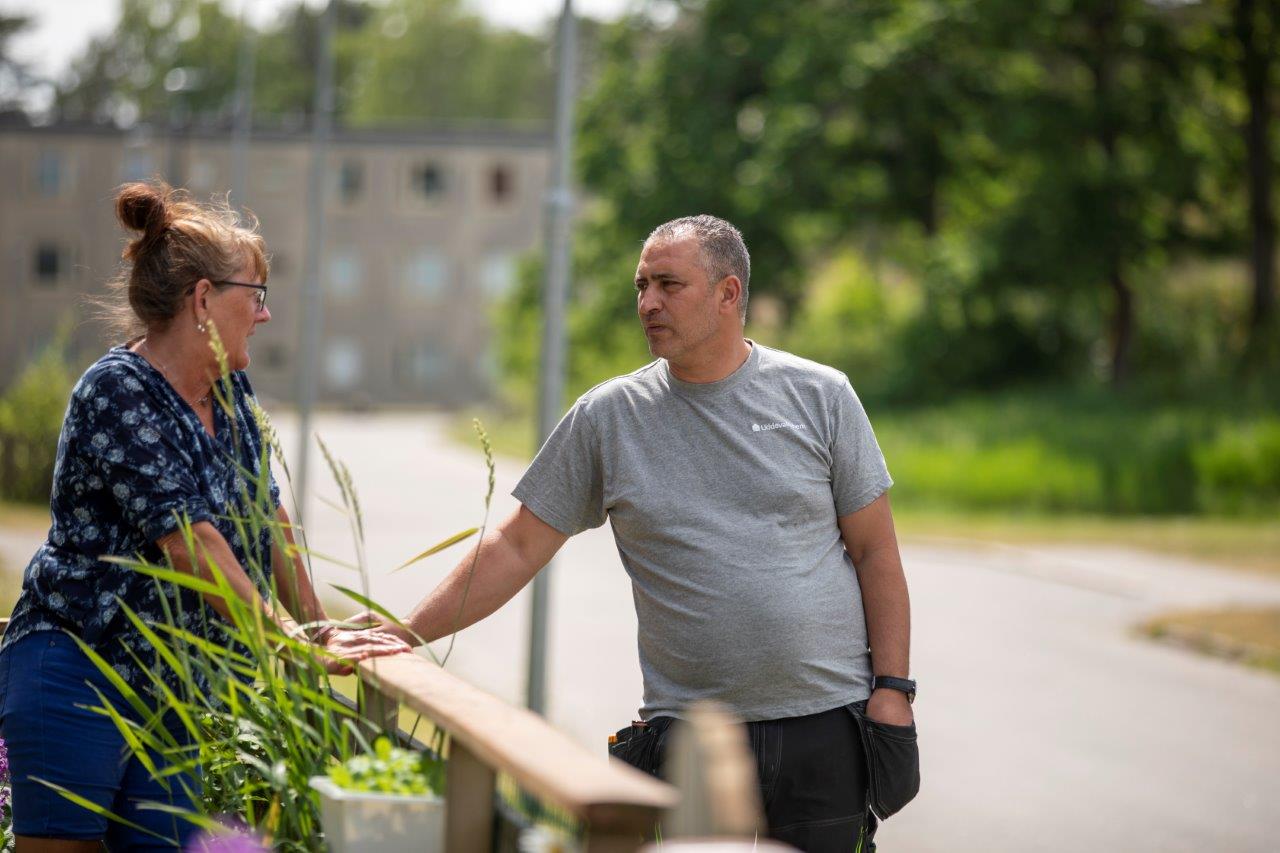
[(427, 181), (426, 274), (51, 264), (342, 367), (342, 273), (420, 364), (497, 275), (350, 178), (50, 173), (501, 184)]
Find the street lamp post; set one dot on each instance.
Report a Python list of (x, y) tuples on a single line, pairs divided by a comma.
[(312, 293), (559, 207)]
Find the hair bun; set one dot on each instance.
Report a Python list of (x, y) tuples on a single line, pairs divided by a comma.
[(143, 207)]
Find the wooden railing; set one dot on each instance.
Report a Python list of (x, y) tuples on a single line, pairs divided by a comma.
[(618, 805)]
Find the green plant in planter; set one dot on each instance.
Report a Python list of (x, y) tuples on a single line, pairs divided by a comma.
[(389, 769)]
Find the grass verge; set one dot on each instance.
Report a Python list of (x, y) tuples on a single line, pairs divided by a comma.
[(1248, 635), (21, 516), (1247, 544)]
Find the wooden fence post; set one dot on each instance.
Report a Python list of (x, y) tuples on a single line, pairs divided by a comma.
[(469, 810), (379, 708), (711, 763)]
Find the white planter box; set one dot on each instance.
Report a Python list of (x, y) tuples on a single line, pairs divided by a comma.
[(365, 822)]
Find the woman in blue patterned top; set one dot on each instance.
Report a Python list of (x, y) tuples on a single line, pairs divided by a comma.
[(145, 446)]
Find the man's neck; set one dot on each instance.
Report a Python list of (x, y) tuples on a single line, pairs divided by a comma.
[(714, 365)]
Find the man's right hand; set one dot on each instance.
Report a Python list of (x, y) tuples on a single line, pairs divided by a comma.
[(370, 619)]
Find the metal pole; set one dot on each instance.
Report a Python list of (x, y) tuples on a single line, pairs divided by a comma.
[(559, 207), (312, 293), (242, 128)]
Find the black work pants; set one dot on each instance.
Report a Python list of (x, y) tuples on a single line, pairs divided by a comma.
[(812, 770)]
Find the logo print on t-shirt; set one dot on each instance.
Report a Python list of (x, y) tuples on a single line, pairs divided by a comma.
[(778, 425)]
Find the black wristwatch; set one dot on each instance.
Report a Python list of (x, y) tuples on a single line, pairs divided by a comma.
[(902, 685)]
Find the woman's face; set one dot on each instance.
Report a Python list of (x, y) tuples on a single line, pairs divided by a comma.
[(235, 312)]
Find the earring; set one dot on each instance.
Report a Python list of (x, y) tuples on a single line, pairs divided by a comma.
[(200, 326)]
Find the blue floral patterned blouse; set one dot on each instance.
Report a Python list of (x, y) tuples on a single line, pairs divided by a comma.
[(132, 459)]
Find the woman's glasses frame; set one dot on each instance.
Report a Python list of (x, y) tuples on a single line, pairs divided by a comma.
[(261, 295)]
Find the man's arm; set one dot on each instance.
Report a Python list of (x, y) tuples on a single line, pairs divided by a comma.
[(870, 540), (507, 559)]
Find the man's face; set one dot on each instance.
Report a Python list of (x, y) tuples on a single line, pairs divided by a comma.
[(675, 301)]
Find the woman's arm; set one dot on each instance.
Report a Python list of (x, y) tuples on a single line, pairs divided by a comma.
[(211, 550), (293, 583)]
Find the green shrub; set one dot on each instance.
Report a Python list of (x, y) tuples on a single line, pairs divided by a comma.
[(31, 413), (1082, 453), (1025, 475), (1239, 472)]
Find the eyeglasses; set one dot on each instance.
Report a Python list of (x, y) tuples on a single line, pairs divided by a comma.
[(260, 297)]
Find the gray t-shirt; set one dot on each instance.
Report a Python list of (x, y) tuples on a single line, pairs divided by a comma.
[(723, 499)]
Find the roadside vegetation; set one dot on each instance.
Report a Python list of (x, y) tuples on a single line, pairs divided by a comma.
[(1248, 635)]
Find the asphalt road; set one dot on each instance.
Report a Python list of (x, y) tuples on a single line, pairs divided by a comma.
[(1046, 725)]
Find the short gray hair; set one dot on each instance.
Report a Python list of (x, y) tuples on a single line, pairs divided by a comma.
[(723, 251)]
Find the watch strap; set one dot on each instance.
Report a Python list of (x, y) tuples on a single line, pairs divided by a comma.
[(902, 685)]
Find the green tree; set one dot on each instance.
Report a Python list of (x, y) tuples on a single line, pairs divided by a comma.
[(14, 75), (122, 75), (435, 59), (1096, 141), (194, 45), (1255, 26), (399, 62), (798, 122)]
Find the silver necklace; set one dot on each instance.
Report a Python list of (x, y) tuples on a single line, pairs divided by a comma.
[(164, 371)]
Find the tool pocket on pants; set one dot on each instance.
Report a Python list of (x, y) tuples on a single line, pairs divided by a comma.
[(893, 762), (640, 745)]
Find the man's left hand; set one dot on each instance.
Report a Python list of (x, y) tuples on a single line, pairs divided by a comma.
[(890, 706)]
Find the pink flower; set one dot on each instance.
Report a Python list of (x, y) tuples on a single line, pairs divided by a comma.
[(4, 775), (231, 837)]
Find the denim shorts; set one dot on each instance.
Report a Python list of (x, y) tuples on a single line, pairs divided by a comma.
[(46, 688)]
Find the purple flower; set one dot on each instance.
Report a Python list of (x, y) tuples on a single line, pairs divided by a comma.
[(232, 837), (4, 775)]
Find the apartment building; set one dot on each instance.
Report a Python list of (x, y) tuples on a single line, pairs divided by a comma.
[(423, 231)]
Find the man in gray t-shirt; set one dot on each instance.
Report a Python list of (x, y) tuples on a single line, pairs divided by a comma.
[(724, 498), (747, 497)]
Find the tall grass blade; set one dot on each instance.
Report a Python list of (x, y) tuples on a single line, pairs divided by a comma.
[(438, 547)]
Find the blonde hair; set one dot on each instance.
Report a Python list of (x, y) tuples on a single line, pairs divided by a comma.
[(181, 242)]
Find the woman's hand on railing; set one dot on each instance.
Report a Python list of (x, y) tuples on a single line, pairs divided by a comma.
[(382, 623), (345, 647)]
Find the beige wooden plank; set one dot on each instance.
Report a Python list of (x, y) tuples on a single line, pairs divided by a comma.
[(542, 759), (469, 802)]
